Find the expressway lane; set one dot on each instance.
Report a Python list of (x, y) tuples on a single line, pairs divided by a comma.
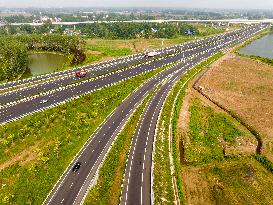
[(137, 180), (72, 188), (69, 77), (95, 150), (65, 77), (32, 104), (137, 186)]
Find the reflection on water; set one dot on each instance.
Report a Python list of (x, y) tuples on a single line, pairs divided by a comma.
[(41, 63), (261, 47)]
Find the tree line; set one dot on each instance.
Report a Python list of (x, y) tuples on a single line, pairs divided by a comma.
[(14, 51), (117, 30), (135, 30)]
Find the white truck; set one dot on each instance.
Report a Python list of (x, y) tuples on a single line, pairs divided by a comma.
[(151, 54)]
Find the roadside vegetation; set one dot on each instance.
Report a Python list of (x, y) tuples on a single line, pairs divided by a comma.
[(242, 181), (101, 42), (234, 89), (14, 51), (163, 185), (219, 155), (35, 150), (210, 137), (216, 155)]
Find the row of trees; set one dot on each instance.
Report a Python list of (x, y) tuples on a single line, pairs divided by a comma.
[(13, 58), (14, 51), (135, 30), (118, 30)]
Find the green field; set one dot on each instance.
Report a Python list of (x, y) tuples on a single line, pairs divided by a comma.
[(104, 49), (35, 150), (211, 175), (243, 181)]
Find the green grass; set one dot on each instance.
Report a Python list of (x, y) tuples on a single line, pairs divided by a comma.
[(239, 182), (57, 135), (178, 105), (163, 188), (207, 128), (108, 187), (265, 162)]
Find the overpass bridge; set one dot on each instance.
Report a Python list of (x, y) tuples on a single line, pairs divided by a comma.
[(229, 21)]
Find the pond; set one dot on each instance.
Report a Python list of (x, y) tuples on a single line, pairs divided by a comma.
[(261, 47), (41, 63)]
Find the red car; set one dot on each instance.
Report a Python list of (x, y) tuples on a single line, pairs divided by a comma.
[(81, 73)]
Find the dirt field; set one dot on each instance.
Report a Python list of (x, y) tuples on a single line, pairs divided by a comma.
[(245, 87)]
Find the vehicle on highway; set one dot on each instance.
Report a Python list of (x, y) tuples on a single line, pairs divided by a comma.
[(81, 73), (43, 101), (76, 167), (151, 54)]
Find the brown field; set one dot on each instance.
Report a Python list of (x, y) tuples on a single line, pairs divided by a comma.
[(244, 86), (245, 144), (237, 178)]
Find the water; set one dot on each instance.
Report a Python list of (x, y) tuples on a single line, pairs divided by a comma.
[(41, 63), (261, 47)]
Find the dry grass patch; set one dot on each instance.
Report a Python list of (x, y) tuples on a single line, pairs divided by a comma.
[(244, 86), (23, 158), (208, 134)]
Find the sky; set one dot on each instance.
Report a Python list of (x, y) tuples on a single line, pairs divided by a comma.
[(235, 4)]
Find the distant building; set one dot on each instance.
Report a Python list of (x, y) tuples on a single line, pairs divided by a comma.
[(45, 19), (154, 30), (56, 19), (72, 32)]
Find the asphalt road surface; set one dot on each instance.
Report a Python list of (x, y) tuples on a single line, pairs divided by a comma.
[(22, 102), (73, 186)]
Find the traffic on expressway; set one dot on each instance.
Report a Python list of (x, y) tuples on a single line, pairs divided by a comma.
[(22, 98)]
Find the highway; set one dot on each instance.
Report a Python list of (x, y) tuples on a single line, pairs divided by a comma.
[(73, 187), (21, 102), (137, 186)]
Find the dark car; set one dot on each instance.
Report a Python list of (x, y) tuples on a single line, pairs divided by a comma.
[(76, 167)]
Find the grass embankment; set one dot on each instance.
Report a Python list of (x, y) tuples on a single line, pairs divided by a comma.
[(108, 187), (211, 173), (242, 181), (210, 135), (217, 153), (243, 87), (35, 150), (163, 186)]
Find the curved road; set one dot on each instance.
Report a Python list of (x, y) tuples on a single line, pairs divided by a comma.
[(72, 187)]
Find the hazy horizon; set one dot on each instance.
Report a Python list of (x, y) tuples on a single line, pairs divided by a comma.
[(213, 4)]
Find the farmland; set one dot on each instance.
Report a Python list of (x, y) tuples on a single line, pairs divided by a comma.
[(218, 154)]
